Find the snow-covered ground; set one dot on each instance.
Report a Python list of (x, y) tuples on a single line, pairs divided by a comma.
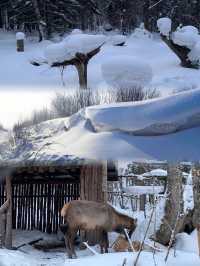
[(26, 81), (11, 258), (4, 144), (161, 129)]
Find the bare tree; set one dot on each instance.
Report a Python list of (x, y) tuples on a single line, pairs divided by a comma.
[(173, 207)]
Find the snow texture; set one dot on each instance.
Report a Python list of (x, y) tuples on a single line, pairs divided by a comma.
[(156, 173), (186, 36), (20, 36), (164, 26), (148, 118), (72, 44), (116, 39), (126, 72)]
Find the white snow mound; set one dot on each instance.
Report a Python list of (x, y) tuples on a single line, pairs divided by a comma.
[(164, 25), (126, 72), (186, 36), (149, 118), (72, 44)]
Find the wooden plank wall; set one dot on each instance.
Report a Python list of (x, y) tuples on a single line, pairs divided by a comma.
[(37, 205)]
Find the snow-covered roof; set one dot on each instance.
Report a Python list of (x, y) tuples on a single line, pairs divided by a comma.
[(140, 190), (156, 173)]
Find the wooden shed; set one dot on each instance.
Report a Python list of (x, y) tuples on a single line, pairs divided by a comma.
[(32, 195)]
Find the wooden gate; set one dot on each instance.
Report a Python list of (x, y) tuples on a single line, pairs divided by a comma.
[(37, 203)]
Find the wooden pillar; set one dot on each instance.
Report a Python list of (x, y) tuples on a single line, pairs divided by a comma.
[(8, 236), (173, 207), (93, 188), (3, 210), (20, 41), (196, 193)]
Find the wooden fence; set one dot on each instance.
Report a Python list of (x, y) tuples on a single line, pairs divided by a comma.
[(37, 203)]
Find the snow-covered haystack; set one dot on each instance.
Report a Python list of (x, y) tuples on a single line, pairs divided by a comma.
[(149, 118), (70, 46), (164, 26), (126, 72)]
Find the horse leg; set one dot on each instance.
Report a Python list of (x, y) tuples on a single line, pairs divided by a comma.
[(105, 234), (67, 244), (104, 244), (72, 235)]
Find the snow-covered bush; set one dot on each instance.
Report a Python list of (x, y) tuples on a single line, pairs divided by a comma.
[(164, 26), (68, 104), (126, 72), (134, 94)]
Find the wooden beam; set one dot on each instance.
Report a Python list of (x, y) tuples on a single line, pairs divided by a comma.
[(8, 236)]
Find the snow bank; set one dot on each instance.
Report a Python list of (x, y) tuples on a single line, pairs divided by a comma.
[(164, 26), (14, 258), (148, 118), (187, 242), (72, 44), (126, 72), (153, 117)]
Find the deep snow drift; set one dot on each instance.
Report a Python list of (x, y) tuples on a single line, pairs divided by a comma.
[(162, 129)]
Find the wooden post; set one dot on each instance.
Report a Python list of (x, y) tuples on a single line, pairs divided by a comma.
[(173, 206), (8, 237), (20, 41), (196, 193), (94, 188), (3, 210)]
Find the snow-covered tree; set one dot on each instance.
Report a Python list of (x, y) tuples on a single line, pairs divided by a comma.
[(184, 42), (76, 50)]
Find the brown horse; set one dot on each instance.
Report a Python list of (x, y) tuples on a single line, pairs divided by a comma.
[(90, 215)]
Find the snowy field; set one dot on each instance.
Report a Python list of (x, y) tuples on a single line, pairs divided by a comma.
[(24, 81)]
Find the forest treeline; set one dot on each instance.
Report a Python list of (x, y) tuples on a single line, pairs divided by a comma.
[(49, 16)]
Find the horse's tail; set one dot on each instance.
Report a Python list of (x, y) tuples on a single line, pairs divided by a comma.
[(64, 210)]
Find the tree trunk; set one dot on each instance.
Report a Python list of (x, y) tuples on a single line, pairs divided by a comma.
[(173, 206), (94, 188), (82, 74), (8, 238), (196, 193), (181, 51), (39, 20), (3, 210)]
